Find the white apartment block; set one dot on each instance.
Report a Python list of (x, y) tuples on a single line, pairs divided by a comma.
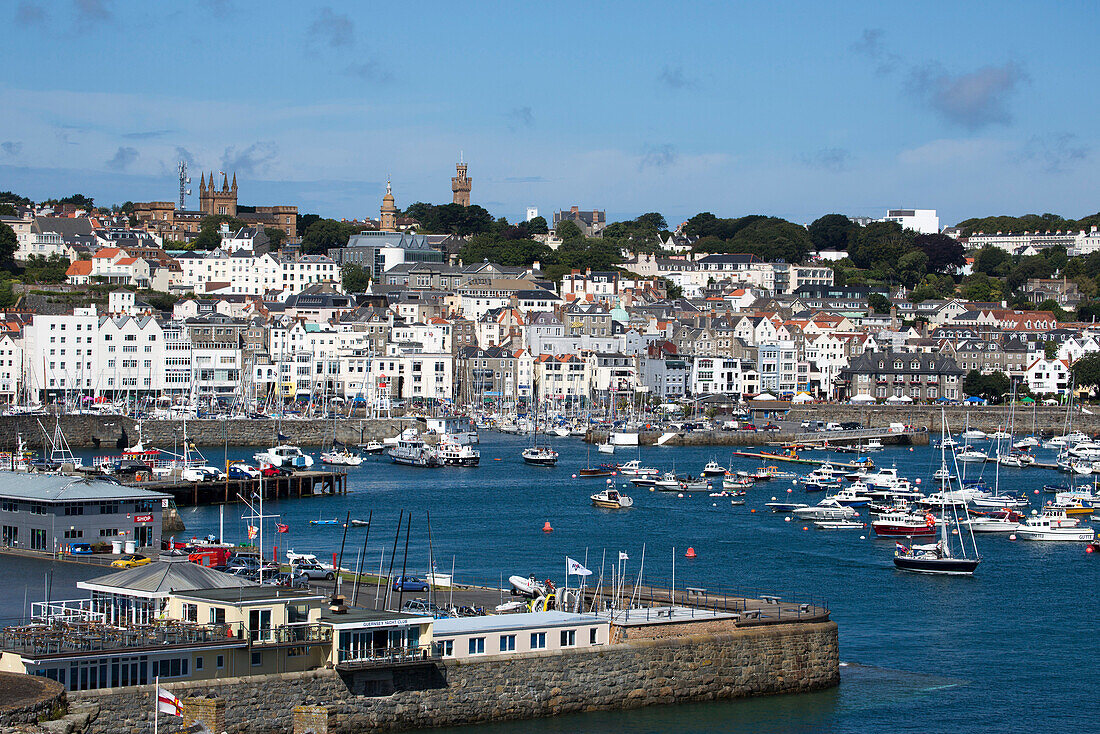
[(11, 368), (922, 221), (242, 273)]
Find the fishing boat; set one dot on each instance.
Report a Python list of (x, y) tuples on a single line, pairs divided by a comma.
[(691, 484), (667, 483), (764, 473), (372, 447), (611, 499), (1053, 524), (634, 468), (903, 523), (412, 451), (736, 483)]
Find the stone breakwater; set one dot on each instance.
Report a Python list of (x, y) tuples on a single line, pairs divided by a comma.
[(725, 663), (104, 432)]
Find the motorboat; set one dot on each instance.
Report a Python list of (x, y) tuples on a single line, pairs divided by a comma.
[(942, 474), (1028, 442), (634, 468), (1053, 524), (933, 559), (611, 499), (737, 483), (341, 457), (284, 455), (999, 435), (692, 484), (1017, 459), (903, 523), (819, 485), (973, 434), (971, 456), (540, 456), (1001, 521), (412, 451), (851, 496), (764, 474), (372, 447), (667, 482), (1075, 503), (527, 586), (826, 509), (453, 453), (329, 521), (837, 524), (999, 502), (713, 469), (785, 506)]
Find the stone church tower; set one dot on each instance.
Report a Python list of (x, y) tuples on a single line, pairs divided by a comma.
[(213, 201), (389, 211), (461, 185)]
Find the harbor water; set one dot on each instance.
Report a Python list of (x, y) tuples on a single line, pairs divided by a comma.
[(1011, 647)]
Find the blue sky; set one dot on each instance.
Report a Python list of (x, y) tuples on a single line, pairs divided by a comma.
[(786, 108)]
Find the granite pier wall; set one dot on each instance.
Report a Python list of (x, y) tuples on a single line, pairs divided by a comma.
[(722, 663), (104, 432)]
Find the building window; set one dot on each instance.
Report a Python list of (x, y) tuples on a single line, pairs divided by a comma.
[(538, 640), (507, 643), (257, 659), (477, 645), (198, 663), (38, 539), (445, 648), (191, 612), (220, 662), (568, 638), (592, 633)]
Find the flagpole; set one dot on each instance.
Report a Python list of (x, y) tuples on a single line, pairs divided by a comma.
[(156, 704)]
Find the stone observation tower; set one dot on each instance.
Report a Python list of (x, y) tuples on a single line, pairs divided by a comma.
[(389, 211), (213, 201), (461, 185)]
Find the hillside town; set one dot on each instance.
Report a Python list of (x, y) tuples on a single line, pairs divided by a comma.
[(394, 317)]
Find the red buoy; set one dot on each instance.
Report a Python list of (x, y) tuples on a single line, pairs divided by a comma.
[(546, 528), (690, 553)]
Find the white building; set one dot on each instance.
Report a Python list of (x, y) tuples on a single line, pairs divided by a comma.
[(1048, 376), (922, 221), (241, 273)]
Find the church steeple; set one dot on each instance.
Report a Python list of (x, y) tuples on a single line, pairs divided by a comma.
[(460, 184)]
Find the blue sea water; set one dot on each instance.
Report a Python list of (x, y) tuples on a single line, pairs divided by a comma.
[(1012, 647)]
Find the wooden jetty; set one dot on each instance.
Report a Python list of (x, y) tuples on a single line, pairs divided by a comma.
[(299, 484), (798, 460)]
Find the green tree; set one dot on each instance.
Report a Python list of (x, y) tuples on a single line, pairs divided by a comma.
[(1050, 349), (1027, 268), (7, 197), (992, 261), (1086, 371), (325, 234), (355, 277), (943, 252), (569, 231), (7, 294), (911, 267), (537, 226), (992, 386), (7, 210), (80, 201), (159, 300), (981, 287), (832, 232), (880, 242), (275, 236), (1088, 311), (9, 243), (302, 222), (879, 303), (774, 239), (1055, 308), (209, 237), (40, 269)]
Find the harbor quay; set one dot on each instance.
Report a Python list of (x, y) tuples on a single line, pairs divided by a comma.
[(285, 660)]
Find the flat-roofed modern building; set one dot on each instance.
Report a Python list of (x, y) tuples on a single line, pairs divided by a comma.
[(49, 513), (505, 634)]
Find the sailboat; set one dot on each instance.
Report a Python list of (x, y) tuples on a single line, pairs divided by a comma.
[(940, 558), (535, 454)]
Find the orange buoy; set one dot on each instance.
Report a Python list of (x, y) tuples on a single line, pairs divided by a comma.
[(546, 528), (690, 553)]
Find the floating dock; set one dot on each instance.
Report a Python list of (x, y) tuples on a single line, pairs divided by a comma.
[(796, 460)]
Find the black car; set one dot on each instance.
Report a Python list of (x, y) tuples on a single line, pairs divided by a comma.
[(851, 425)]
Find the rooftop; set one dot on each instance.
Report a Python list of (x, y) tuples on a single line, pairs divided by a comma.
[(248, 594), (49, 488), (159, 579)]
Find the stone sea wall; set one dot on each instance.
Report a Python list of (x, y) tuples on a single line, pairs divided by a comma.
[(726, 662), (103, 432)]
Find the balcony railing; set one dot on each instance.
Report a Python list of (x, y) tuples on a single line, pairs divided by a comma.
[(374, 656)]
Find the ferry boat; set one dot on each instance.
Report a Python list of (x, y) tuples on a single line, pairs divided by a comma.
[(412, 451), (611, 499), (284, 455)]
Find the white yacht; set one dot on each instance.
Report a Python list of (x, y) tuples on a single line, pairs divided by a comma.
[(826, 509), (973, 434), (412, 451), (634, 468), (285, 455), (1004, 521), (971, 455), (713, 469)]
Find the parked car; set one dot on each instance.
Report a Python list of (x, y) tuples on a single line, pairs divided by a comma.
[(131, 561), (275, 471), (851, 425), (292, 580), (748, 427), (313, 570), (243, 471), (834, 426), (249, 562), (409, 583), (423, 606), (770, 427), (80, 549)]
